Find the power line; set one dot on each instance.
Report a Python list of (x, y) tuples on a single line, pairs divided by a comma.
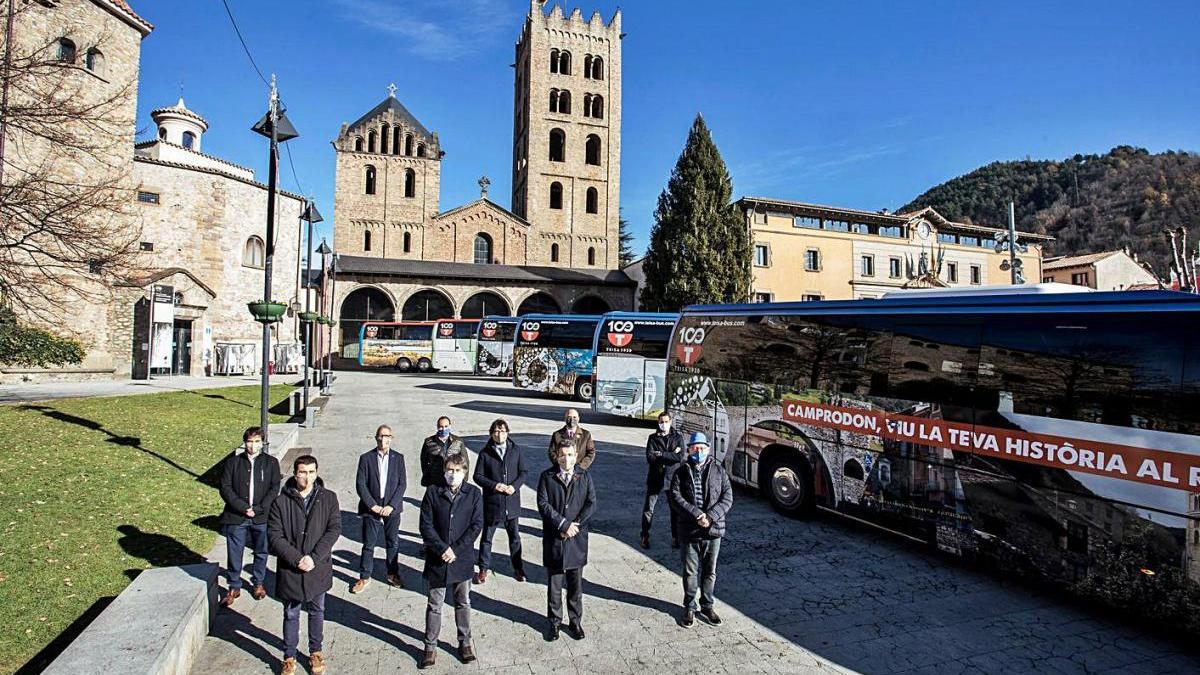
[(245, 48), (295, 177)]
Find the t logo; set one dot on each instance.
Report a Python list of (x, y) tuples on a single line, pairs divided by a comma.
[(489, 329), (445, 329), (529, 331), (688, 350), (620, 333)]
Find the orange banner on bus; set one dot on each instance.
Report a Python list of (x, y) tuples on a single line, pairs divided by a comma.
[(1143, 465)]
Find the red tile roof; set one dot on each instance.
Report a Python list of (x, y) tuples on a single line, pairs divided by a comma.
[(1076, 260), (123, 7)]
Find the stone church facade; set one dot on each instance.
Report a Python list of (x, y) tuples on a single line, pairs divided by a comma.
[(555, 249)]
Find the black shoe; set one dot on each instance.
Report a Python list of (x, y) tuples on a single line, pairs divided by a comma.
[(519, 576), (710, 615), (552, 633), (689, 618), (577, 631), (645, 540)]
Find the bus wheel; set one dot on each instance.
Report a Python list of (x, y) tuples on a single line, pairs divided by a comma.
[(583, 390), (403, 365), (424, 366), (788, 484)]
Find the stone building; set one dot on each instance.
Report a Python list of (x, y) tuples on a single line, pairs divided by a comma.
[(400, 256)]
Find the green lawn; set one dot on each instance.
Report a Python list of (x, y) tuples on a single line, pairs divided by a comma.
[(93, 490)]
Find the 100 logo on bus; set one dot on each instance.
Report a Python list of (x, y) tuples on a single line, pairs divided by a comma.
[(620, 333), (688, 349), (529, 330), (488, 330), (445, 329)]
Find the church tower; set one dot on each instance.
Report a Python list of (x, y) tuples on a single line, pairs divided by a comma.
[(567, 137)]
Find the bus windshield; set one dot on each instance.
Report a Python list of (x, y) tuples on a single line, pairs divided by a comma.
[(635, 336), (497, 331)]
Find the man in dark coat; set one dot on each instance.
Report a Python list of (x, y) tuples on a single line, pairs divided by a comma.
[(566, 500), (305, 523), (451, 519), (435, 449), (380, 483), (578, 436), (500, 472), (700, 497), (664, 452), (249, 485)]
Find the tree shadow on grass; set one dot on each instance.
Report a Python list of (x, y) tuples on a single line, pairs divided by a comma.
[(159, 550)]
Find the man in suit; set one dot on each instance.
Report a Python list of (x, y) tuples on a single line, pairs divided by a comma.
[(566, 500), (435, 449), (700, 497), (500, 472), (578, 436), (451, 520), (664, 452), (249, 485), (381, 482)]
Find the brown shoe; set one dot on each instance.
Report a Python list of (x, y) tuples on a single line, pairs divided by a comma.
[(259, 592), (395, 580), (289, 666), (316, 663), (466, 653), (481, 578), (359, 585), (232, 595), (429, 659)]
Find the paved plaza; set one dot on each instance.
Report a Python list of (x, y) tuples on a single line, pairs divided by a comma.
[(797, 597)]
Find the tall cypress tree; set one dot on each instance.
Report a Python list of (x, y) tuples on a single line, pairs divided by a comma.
[(699, 247), (625, 253)]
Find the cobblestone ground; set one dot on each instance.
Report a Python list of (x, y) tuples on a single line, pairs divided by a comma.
[(797, 597)]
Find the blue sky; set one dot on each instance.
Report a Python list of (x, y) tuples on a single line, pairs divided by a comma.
[(862, 104)]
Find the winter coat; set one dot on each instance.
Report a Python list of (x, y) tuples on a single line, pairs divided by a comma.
[(294, 534), (664, 452), (585, 449), (450, 523), (235, 486), (718, 499), (560, 505), (490, 471), (433, 458), (366, 482)]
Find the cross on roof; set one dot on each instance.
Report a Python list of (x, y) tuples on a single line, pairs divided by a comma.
[(391, 88), (484, 183)]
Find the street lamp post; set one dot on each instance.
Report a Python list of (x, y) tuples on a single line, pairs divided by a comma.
[(1010, 243), (275, 126), (332, 303), (324, 250), (310, 215)]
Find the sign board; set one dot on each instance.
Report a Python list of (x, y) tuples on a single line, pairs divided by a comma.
[(163, 297)]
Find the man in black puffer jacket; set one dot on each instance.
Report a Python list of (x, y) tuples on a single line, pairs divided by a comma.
[(305, 523), (700, 498)]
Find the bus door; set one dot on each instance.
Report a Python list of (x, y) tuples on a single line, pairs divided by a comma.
[(654, 387), (729, 424)]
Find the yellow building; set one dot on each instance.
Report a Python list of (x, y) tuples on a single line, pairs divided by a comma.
[(813, 252)]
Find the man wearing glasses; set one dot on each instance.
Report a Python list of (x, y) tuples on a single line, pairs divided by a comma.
[(380, 483)]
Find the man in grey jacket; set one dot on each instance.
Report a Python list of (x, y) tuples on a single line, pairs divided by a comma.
[(700, 498)]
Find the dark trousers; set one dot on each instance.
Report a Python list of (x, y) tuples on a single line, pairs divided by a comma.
[(652, 495), (375, 529), (554, 589), (462, 613), (291, 625), (236, 537), (699, 568), (513, 527)]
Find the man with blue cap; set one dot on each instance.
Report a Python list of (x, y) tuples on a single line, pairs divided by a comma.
[(701, 497)]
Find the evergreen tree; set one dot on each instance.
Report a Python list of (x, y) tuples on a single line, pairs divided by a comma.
[(625, 253), (700, 247)]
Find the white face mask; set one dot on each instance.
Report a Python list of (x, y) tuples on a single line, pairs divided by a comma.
[(252, 447), (455, 478), (664, 427), (500, 437)]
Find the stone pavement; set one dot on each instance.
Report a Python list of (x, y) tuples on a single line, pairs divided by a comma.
[(45, 391), (797, 597)]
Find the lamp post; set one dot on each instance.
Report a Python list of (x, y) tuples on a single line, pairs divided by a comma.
[(333, 322), (275, 126), (1010, 242), (324, 250), (310, 215)]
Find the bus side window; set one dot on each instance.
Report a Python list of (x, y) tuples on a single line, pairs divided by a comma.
[(935, 364)]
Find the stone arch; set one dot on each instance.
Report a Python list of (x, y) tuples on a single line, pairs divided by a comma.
[(590, 304), (558, 145), (483, 249), (384, 137), (564, 102), (597, 107), (553, 252), (408, 145), (539, 302), (853, 469), (427, 304), (553, 60), (591, 256), (592, 150), (420, 149), (597, 68), (369, 180), (365, 303), (564, 62), (358, 144), (410, 183), (593, 200), (556, 195), (371, 141), (485, 303)]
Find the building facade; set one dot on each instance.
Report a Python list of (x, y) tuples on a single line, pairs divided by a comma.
[(1106, 271), (813, 252)]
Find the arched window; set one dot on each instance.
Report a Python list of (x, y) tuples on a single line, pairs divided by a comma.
[(371, 142), (369, 188), (593, 200), (593, 150), (420, 149), (383, 139), (358, 144), (66, 50), (564, 102), (587, 67), (189, 140), (366, 240), (564, 62), (553, 100), (553, 252), (852, 469), (587, 105), (408, 145), (94, 61), (554, 60), (408, 242), (591, 255), (483, 249), (162, 133), (597, 107), (558, 145), (395, 140), (556, 195), (254, 253), (597, 68), (410, 183)]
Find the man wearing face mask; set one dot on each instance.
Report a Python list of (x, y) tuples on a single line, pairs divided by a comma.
[(500, 472), (701, 497), (435, 449), (451, 520), (249, 485), (380, 483), (664, 452), (577, 436), (566, 500)]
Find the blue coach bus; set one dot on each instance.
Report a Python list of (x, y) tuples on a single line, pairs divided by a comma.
[(630, 365), (553, 353)]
